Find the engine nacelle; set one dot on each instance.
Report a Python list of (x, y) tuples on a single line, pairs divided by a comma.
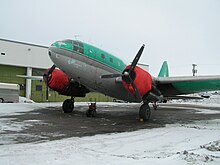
[(57, 80), (141, 78), (61, 83)]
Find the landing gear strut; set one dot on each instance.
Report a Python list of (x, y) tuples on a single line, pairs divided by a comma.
[(144, 112), (68, 105), (155, 105)]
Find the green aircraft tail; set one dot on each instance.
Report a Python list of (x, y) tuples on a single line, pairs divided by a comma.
[(164, 71)]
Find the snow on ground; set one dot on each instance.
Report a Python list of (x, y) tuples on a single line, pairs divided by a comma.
[(195, 143), (213, 100)]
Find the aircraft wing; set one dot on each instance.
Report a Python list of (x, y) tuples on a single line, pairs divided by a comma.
[(187, 85)]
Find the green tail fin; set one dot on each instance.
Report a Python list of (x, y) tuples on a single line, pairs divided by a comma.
[(164, 71)]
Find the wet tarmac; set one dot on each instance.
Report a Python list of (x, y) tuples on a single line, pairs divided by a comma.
[(51, 123)]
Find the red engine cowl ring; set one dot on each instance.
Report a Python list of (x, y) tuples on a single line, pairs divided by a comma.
[(141, 78), (58, 80)]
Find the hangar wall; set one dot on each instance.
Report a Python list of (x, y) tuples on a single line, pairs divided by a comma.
[(23, 54)]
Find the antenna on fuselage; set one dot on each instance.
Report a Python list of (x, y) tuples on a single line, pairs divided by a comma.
[(76, 36)]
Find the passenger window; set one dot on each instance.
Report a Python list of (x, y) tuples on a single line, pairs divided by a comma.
[(102, 56), (111, 60)]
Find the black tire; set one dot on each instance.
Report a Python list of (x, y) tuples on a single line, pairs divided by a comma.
[(68, 106), (144, 112), (1, 100)]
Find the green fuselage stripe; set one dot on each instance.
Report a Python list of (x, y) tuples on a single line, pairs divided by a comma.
[(92, 52)]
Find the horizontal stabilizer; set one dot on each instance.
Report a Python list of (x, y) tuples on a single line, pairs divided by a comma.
[(31, 77), (184, 97)]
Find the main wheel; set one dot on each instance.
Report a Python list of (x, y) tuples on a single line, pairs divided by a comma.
[(144, 112), (68, 106)]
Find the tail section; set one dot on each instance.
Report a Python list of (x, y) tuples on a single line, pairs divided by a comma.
[(164, 71)]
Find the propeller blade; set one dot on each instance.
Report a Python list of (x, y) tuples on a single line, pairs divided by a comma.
[(137, 93), (136, 59), (133, 64), (51, 70), (111, 75)]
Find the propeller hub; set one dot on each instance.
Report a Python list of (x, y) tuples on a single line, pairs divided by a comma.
[(126, 73), (128, 77)]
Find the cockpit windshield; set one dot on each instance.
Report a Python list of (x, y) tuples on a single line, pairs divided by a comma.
[(77, 46)]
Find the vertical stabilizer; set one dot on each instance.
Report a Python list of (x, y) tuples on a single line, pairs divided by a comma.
[(164, 71)]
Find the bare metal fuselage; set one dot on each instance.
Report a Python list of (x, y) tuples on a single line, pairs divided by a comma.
[(88, 72)]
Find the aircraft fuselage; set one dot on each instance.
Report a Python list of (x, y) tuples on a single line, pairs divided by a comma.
[(86, 64)]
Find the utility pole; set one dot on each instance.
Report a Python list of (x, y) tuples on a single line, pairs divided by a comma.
[(194, 70)]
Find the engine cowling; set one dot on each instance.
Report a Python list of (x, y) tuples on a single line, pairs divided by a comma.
[(61, 83), (141, 78), (57, 80)]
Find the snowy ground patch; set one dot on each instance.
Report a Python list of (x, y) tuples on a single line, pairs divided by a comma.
[(175, 144), (194, 143)]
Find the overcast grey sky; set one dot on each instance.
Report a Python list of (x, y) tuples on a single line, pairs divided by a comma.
[(179, 31)]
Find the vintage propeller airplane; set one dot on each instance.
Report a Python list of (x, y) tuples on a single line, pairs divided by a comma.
[(80, 68)]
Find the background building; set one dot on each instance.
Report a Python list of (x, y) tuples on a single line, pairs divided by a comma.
[(19, 58)]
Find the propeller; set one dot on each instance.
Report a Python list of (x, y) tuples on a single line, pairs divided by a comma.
[(133, 64), (128, 74), (136, 59), (47, 75)]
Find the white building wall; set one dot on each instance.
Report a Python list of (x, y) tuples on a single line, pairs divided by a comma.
[(24, 54)]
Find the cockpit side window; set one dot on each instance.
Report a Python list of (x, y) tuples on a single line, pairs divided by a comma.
[(81, 50), (75, 48), (78, 46), (75, 43)]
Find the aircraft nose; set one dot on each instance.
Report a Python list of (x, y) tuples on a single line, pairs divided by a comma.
[(52, 52), (49, 53)]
